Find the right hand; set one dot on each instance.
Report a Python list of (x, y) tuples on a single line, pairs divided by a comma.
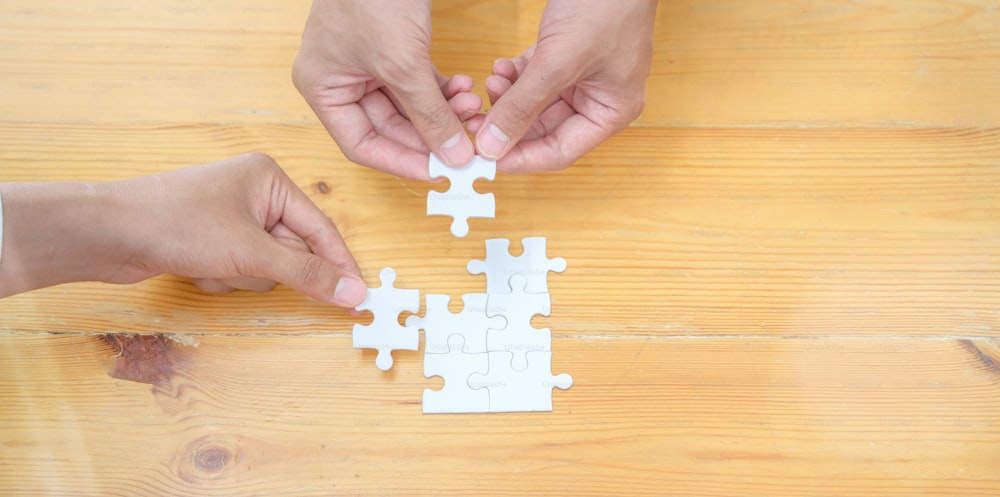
[(365, 69), (236, 223)]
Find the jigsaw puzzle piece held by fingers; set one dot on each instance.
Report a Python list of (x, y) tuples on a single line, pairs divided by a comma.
[(520, 391), (461, 201), (533, 264), (455, 367), (384, 333), (439, 323)]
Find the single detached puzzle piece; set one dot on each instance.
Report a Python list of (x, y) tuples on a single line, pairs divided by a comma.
[(455, 367), (385, 334), (461, 201), (520, 391), (439, 323), (518, 337), (533, 264)]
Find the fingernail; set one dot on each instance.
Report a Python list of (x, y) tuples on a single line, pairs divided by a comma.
[(350, 291), (492, 142), (457, 150)]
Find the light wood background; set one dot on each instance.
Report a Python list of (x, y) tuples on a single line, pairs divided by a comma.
[(783, 279)]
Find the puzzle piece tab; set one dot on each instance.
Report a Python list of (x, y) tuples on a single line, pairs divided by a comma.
[(385, 334), (533, 264), (439, 323), (461, 201), (520, 391), (455, 367)]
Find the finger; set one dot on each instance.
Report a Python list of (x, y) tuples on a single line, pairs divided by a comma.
[(511, 68), (496, 86), (306, 221), (354, 132), (248, 283), (506, 68), (466, 105), (459, 83), (308, 273), (511, 117), (424, 103), (388, 122), (210, 285), (286, 236), (557, 150), (550, 120), (475, 123), (283, 235)]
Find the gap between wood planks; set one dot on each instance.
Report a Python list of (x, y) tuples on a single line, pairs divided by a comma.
[(187, 338)]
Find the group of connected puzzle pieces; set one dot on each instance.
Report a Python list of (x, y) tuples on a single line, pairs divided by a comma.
[(491, 358)]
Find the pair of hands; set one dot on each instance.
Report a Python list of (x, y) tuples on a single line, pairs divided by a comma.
[(365, 68)]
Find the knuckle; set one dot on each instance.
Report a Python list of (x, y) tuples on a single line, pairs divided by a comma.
[(311, 272), (519, 114), (260, 159), (435, 117), (635, 107)]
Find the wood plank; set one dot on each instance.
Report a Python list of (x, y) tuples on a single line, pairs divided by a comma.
[(309, 416), (725, 63), (678, 231)]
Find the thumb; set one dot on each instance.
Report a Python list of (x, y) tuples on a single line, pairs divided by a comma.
[(519, 107), (425, 105), (310, 274)]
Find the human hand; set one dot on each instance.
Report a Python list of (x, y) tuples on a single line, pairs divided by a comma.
[(582, 82), (236, 223), (365, 69)]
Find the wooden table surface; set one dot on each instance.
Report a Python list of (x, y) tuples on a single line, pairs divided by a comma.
[(783, 278)]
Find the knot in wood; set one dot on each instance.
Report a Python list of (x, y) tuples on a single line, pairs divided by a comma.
[(212, 458)]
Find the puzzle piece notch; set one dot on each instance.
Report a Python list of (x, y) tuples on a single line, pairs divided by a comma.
[(455, 367), (384, 333), (461, 201), (472, 323), (519, 337), (499, 266), (520, 391)]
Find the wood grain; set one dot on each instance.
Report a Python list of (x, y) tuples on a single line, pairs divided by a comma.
[(667, 231), (783, 278), (309, 416), (775, 63)]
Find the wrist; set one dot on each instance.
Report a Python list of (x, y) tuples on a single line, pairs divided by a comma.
[(58, 233)]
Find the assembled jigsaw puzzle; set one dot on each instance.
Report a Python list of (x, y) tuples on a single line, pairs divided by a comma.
[(518, 357)]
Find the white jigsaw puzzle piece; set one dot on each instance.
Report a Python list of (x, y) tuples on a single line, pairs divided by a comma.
[(520, 391), (533, 264), (519, 337), (461, 201), (455, 367), (439, 323), (384, 333)]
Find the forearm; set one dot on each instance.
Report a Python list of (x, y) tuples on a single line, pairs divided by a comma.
[(58, 233)]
